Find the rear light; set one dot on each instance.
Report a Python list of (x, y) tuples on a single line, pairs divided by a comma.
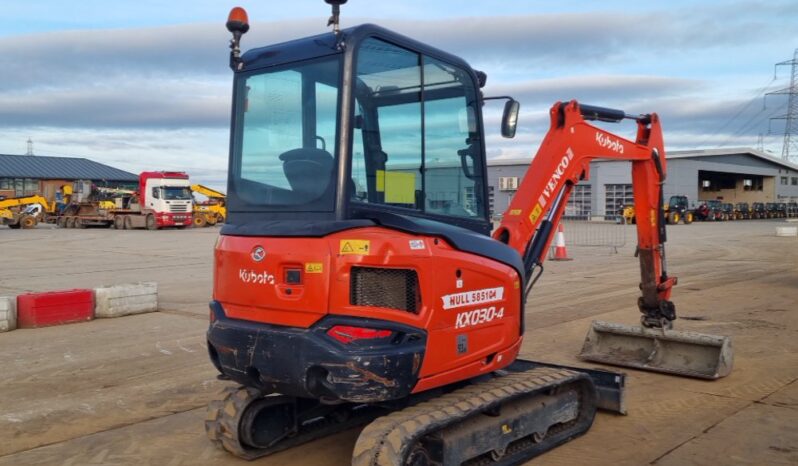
[(213, 316), (347, 334)]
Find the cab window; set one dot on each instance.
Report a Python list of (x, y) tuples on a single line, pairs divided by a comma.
[(415, 142)]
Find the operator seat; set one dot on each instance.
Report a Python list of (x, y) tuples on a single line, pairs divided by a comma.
[(308, 171)]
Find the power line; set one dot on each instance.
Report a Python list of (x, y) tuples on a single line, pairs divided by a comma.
[(755, 119), (743, 108), (789, 149)]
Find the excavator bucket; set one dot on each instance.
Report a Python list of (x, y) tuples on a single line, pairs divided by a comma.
[(683, 353)]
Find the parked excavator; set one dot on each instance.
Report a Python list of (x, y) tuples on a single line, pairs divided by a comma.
[(356, 280)]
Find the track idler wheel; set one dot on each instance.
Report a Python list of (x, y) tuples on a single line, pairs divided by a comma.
[(250, 425), (242, 420), (267, 421)]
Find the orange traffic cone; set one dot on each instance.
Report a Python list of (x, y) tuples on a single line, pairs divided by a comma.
[(560, 254)]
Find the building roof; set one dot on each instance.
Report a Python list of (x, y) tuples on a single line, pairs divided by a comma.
[(676, 154), (691, 154), (59, 168)]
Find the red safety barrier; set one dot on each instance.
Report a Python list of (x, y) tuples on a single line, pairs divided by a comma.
[(54, 308)]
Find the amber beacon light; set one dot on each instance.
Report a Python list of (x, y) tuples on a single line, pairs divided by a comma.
[(237, 24)]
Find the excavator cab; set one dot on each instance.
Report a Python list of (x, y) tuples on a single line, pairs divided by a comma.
[(361, 156), (360, 124)]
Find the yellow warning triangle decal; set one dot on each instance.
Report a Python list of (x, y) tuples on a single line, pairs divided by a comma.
[(347, 248)]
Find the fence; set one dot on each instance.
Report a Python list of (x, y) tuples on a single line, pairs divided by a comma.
[(591, 230)]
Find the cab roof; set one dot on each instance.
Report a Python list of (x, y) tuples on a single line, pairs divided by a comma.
[(327, 44)]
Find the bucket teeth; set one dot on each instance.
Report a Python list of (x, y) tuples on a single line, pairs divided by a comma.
[(689, 354)]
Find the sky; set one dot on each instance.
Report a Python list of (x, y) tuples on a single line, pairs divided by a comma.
[(145, 84)]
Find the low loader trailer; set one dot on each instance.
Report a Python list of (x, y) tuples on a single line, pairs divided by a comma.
[(163, 200)]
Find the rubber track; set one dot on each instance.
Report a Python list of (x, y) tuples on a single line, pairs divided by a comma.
[(224, 414), (221, 422), (387, 441)]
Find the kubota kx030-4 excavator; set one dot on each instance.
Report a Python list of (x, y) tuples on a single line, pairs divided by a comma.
[(356, 281)]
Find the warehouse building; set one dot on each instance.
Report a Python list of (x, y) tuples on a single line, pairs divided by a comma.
[(25, 175), (730, 175)]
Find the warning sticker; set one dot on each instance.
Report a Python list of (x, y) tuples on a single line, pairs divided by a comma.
[(515, 212), (354, 246), (314, 267), (533, 216)]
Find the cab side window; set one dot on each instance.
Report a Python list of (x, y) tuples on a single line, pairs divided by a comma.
[(416, 140), (388, 167)]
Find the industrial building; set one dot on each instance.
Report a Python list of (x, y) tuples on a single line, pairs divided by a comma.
[(24, 175), (730, 175)]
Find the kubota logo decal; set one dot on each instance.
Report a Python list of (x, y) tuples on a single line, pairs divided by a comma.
[(611, 144), (470, 298), (255, 277)]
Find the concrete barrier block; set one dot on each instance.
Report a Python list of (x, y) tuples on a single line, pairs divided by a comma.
[(46, 308), (122, 300), (786, 231), (8, 313)]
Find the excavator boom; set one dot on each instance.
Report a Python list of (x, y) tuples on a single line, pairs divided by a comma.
[(561, 162)]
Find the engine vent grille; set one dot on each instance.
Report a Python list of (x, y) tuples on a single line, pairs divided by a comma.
[(382, 287)]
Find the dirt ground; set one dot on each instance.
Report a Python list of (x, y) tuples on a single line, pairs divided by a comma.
[(132, 391)]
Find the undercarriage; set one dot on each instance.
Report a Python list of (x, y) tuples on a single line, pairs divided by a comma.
[(505, 418)]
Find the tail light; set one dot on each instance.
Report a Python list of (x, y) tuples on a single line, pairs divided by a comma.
[(347, 334)]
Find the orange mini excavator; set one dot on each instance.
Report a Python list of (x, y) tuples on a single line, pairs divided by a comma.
[(356, 280)]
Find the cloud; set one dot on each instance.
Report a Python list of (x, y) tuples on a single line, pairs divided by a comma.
[(125, 103), (132, 81), (596, 89), (200, 152), (560, 40)]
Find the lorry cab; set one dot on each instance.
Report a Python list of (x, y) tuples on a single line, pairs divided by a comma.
[(167, 195)]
